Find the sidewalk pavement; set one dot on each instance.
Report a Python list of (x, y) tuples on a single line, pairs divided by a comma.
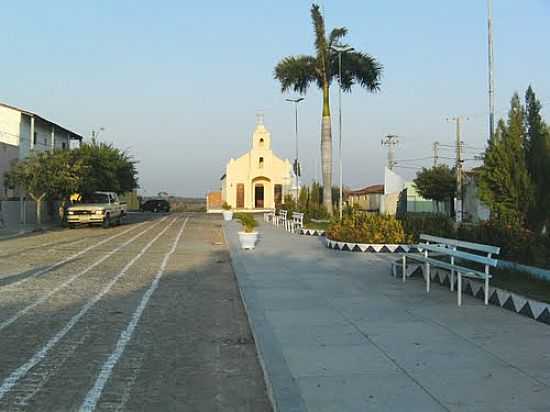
[(336, 332), (11, 231)]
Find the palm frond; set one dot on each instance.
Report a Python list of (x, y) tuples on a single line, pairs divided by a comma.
[(336, 35), (296, 73), (357, 68), (321, 45)]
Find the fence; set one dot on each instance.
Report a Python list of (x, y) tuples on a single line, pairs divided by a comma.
[(15, 212)]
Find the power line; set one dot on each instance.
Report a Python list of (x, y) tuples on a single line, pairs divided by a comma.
[(414, 160)]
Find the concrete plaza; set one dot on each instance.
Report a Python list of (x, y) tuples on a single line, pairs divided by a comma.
[(336, 332)]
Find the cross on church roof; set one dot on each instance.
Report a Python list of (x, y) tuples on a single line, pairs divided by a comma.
[(259, 119)]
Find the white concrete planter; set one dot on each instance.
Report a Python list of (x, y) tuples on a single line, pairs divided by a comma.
[(227, 215), (248, 240)]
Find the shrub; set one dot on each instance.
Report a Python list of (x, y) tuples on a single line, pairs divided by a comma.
[(517, 243), (368, 228), (432, 224), (226, 206), (248, 221)]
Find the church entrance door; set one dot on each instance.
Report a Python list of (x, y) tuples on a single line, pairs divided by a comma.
[(240, 195), (259, 196)]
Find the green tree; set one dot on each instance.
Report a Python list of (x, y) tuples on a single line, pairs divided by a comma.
[(303, 198), (505, 185), (437, 183), (108, 168), (46, 175), (299, 72), (315, 195), (538, 160)]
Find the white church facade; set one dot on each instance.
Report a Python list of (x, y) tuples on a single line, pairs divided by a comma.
[(258, 179)]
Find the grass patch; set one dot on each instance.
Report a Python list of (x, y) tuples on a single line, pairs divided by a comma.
[(316, 225), (522, 283)]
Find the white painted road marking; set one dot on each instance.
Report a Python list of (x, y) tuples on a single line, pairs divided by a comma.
[(44, 298), (20, 372), (68, 259), (94, 394)]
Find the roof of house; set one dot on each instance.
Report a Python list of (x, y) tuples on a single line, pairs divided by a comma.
[(74, 135), (373, 189)]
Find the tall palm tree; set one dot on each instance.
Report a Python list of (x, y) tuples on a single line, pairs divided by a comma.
[(298, 72)]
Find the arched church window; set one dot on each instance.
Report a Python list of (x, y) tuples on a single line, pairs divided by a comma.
[(261, 163), (261, 141)]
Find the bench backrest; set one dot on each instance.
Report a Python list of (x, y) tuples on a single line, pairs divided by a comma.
[(297, 216), (283, 213), (445, 250), (494, 250)]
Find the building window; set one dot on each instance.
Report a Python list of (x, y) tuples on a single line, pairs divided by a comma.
[(64, 145), (262, 141), (261, 163), (34, 138)]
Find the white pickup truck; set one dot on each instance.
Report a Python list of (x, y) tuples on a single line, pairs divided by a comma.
[(98, 208)]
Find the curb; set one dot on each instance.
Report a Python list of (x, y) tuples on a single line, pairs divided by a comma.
[(282, 389)]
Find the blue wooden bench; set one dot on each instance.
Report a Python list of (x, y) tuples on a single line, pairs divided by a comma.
[(456, 250)]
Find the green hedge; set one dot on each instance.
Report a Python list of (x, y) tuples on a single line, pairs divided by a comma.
[(435, 225), (369, 228), (517, 244)]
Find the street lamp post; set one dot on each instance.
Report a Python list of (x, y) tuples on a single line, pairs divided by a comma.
[(340, 49), (296, 162)]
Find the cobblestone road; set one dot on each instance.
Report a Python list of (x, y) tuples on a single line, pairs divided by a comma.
[(144, 316)]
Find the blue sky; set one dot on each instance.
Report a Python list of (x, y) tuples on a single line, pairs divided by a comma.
[(179, 83)]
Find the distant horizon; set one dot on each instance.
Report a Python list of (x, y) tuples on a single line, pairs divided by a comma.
[(179, 85)]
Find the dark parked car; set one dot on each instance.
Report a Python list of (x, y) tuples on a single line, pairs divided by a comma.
[(159, 205)]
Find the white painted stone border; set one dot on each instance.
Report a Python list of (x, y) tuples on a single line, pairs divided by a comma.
[(312, 232), (370, 248)]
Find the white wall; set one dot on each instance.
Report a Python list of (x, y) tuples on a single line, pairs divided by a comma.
[(10, 126)]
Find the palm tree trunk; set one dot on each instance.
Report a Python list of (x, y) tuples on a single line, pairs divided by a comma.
[(326, 150)]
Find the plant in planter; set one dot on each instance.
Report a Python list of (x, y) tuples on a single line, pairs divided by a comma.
[(227, 212), (248, 237)]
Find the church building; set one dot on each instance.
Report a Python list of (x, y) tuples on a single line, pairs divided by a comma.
[(258, 179)]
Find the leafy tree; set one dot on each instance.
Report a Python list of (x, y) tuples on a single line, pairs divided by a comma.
[(108, 168), (46, 175), (299, 72), (315, 195), (437, 183), (505, 185), (538, 160), (303, 198)]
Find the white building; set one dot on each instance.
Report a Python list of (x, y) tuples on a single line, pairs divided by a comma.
[(22, 132)]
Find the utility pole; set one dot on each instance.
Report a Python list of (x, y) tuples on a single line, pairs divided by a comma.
[(340, 49), (436, 153), (297, 171), (459, 166), (491, 71), (391, 141)]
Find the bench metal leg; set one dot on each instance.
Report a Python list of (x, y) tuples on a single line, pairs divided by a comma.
[(486, 290), (428, 278), (404, 268), (459, 290), (453, 272), (452, 280)]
